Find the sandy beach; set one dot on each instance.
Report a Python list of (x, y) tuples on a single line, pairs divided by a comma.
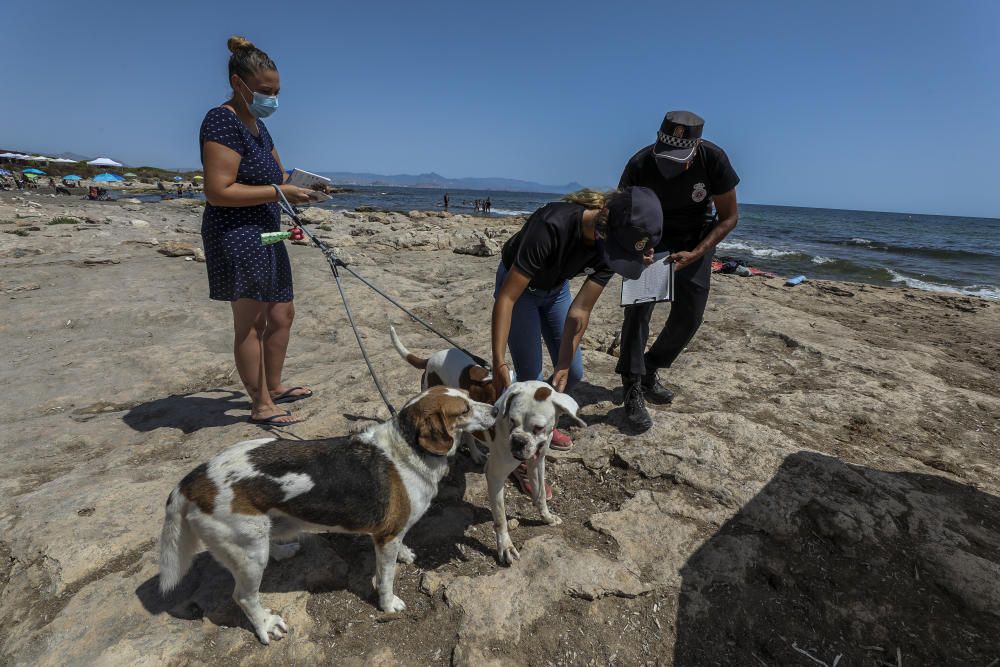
[(826, 483)]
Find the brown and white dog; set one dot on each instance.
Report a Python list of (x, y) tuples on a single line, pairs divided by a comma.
[(452, 368), (378, 483), (527, 414)]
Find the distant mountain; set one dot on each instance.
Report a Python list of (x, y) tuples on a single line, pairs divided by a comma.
[(72, 156), (433, 180)]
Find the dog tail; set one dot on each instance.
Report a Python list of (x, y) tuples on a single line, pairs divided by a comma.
[(412, 359), (178, 543)]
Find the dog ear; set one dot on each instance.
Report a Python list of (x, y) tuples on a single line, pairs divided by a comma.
[(503, 404), (566, 405), (434, 434), (427, 423)]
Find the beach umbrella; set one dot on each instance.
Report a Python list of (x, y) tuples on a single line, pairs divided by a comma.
[(32, 170), (129, 174), (72, 177), (31, 177), (198, 178), (177, 179), (38, 158), (11, 155), (64, 160), (4, 172), (106, 177), (104, 162)]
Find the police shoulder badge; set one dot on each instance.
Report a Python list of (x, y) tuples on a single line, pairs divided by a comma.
[(641, 244), (699, 193)]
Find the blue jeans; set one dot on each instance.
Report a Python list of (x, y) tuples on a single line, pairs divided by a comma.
[(539, 315)]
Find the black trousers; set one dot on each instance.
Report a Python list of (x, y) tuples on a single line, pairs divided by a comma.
[(691, 285)]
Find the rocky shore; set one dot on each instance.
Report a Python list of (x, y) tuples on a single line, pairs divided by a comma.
[(824, 488)]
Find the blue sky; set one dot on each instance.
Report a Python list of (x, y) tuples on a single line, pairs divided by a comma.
[(865, 105)]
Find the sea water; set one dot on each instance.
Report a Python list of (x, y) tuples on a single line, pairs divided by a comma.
[(929, 252)]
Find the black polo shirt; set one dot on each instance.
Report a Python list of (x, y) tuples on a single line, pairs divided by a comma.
[(686, 198), (549, 248)]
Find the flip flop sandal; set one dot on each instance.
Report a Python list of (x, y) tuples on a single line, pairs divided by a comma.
[(272, 420), (520, 476), (289, 397), (560, 445)]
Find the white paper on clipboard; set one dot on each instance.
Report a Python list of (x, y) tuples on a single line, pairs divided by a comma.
[(655, 284)]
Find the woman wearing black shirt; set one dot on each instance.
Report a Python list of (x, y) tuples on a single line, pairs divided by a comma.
[(589, 233)]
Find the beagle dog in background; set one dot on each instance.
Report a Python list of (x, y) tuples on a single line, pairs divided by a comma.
[(378, 483), (526, 415)]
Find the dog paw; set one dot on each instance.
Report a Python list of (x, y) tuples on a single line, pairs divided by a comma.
[(394, 605), (508, 554), (406, 554), (551, 519), (280, 552), (273, 627)]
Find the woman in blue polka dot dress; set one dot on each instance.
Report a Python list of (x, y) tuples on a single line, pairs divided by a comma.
[(243, 174)]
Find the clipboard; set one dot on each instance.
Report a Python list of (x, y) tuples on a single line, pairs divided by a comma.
[(654, 285)]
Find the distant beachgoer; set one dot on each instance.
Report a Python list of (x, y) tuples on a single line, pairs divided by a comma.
[(446, 201), (243, 176), (160, 186), (589, 233), (52, 182), (489, 205), (688, 175)]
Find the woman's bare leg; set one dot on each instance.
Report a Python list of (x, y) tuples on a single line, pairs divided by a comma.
[(279, 325), (248, 350)]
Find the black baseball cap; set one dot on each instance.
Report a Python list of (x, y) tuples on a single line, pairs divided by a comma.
[(635, 223), (677, 141)]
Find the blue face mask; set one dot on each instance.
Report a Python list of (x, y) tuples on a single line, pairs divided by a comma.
[(262, 105)]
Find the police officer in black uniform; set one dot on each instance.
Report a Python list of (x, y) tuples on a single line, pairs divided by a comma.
[(688, 175)]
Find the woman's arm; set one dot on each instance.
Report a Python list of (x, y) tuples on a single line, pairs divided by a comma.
[(277, 158), (513, 286), (221, 189), (577, 320)]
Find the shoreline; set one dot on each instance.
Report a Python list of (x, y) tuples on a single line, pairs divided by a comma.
[(736, 248)]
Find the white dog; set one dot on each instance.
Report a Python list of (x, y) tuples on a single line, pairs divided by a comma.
[(526, 414), (379, 483)]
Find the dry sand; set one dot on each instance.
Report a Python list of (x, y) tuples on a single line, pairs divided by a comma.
[(826, 482)]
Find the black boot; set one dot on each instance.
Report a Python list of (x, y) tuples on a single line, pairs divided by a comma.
[(635, 404), (655, 391)]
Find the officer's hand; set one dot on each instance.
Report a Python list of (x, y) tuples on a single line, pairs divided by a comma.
[(682, 259), (560, 378), (647, 257), (501, 378)]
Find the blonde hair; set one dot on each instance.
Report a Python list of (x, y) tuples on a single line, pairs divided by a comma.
[(592, 199), (246, 59)]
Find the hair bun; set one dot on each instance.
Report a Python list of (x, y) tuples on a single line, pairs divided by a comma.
[(239, 43)]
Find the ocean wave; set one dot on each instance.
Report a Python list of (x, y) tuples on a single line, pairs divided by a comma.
[(983, 291), (819, 259), (509, 212), (756, 251), (917, 250)]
